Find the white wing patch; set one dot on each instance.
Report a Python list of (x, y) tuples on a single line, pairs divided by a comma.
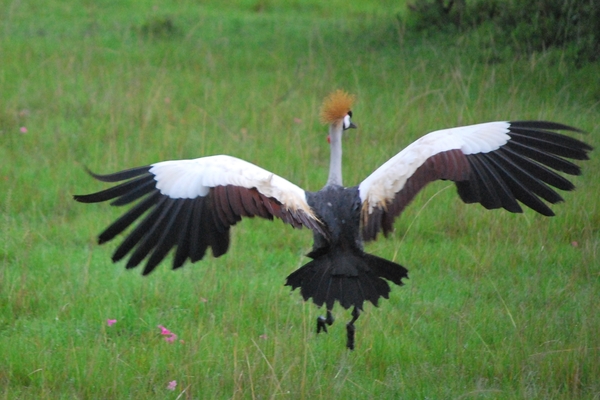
[(188, 179), (382, 185)]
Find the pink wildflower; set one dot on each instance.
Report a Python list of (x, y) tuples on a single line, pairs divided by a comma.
[(171, 338), (164, 331), (172, 385), (111, 322), (23, 129)]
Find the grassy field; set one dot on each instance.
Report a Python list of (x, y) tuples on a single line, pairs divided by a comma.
[(498, 306)]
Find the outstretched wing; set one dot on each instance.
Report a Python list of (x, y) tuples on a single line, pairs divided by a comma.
[(190, 204), (497, 164)]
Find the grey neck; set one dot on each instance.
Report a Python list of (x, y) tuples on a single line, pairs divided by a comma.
[(335, 162)]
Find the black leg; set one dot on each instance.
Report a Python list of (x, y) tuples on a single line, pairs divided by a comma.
[(322, 322), (351, 329)]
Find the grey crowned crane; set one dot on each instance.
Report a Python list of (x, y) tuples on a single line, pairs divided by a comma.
[(190, 205)]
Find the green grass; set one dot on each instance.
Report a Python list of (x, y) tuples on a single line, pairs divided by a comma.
[(498, 305)]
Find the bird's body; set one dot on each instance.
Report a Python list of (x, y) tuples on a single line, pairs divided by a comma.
[(190, 205), (340, 269)]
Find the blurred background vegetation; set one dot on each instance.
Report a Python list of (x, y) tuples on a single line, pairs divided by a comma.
[(523, 26)]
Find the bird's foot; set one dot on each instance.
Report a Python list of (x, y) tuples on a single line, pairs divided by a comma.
[(322, 322), (351, 329)]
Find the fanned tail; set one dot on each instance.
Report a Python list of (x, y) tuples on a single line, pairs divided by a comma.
[(347, 277)]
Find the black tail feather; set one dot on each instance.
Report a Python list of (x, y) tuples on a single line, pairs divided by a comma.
[(349, 278)]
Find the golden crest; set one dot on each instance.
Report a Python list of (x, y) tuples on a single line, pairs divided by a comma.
[(336, 106)]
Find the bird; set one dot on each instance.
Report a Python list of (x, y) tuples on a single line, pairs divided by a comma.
[(184, 207)]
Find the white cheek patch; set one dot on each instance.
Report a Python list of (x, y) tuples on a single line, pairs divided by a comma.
[(347, 122)]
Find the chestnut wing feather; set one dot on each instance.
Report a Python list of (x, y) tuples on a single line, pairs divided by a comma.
[(497, 164)]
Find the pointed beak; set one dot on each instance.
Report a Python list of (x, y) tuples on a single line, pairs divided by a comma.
[(352, 126)]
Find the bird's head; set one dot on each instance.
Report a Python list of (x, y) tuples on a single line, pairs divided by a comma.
[(337, 109)]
